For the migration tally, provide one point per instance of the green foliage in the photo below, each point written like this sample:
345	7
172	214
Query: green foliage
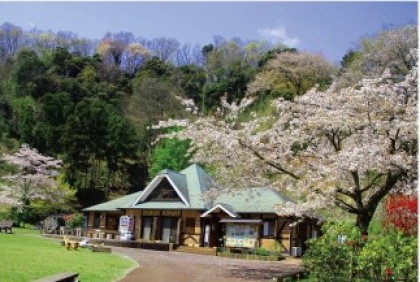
350	58
100	144
361	258
391	252
170	154
28	74
23	118
264	252
327	251
152	100
191	79
284	92
77	220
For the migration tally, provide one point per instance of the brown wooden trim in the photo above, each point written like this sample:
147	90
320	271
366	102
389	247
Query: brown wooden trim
178	229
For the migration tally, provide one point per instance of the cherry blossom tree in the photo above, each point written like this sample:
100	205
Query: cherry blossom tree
347	148
36	179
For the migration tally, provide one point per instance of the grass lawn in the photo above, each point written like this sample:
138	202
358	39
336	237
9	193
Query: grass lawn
26	256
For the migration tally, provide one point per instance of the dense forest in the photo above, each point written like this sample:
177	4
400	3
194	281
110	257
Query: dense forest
91	103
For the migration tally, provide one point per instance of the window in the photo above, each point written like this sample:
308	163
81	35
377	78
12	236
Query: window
147	228
97	220
190	225
268	228
169	229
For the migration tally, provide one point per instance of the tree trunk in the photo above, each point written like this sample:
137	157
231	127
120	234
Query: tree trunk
363	221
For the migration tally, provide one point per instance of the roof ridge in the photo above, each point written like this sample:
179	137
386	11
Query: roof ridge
197	167
166	170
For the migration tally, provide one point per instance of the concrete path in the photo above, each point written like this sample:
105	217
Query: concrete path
158	266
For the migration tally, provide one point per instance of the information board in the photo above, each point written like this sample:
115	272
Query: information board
241	235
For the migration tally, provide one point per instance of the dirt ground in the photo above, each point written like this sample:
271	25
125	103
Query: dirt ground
158	266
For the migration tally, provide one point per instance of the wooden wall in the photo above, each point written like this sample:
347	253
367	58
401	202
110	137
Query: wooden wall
190	237
284	237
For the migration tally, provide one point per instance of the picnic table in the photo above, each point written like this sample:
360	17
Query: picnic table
70	244
6	225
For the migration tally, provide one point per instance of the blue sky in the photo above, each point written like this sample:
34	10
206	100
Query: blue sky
331	28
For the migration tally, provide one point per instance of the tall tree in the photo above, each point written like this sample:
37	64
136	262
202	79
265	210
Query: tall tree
134	57
388	49
298	71
163	48
227	74
11	38
29	74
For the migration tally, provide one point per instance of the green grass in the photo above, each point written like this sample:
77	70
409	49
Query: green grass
26	256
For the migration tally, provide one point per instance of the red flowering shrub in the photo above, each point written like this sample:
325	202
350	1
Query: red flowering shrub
401	212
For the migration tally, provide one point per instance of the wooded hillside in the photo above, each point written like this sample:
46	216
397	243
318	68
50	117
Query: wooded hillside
91	103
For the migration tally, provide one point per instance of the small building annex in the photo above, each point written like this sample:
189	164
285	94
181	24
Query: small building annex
173	209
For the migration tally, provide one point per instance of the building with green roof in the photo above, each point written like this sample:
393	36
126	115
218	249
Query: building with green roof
175	208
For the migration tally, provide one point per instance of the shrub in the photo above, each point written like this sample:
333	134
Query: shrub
389	256
385	256
330	260
401	212
75	220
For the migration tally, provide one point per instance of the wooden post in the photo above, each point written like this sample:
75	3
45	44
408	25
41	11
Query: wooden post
154	223
178	229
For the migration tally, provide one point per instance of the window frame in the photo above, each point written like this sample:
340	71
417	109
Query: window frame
271	228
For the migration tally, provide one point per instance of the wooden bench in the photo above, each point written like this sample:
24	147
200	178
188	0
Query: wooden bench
61	277
70	244
101	249
6	225
286	277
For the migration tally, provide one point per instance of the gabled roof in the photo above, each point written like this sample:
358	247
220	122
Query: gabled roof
177	181
116	204
223	207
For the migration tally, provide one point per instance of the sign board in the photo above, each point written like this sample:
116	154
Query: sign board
241	235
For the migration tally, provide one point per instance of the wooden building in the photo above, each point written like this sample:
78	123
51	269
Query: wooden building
173	209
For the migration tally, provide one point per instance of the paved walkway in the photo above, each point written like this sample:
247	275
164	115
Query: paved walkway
158	266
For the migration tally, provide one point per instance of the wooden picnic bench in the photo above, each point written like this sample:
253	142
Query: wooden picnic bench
6	225
290	276
70	244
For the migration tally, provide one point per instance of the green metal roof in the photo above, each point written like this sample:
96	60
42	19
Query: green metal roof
192	182
251	200
198	182
180	181
116	204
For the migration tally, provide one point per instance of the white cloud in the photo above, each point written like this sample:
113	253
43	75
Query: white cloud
279	35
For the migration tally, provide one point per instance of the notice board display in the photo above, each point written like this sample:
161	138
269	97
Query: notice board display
241	235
